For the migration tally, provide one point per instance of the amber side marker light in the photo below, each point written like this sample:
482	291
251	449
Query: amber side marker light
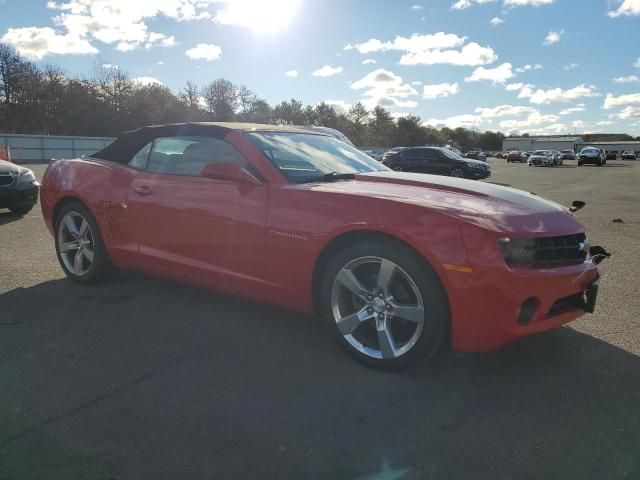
457	268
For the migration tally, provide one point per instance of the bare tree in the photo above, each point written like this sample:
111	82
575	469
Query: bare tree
221	97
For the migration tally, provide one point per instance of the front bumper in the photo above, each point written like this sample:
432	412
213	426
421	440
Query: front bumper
486	305
590	160
16	197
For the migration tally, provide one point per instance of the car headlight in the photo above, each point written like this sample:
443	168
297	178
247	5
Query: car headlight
27	178
518	251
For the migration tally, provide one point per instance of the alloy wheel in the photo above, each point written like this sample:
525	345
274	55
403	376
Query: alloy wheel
377	307
457	172
76	243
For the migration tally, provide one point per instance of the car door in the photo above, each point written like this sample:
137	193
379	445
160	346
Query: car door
194	226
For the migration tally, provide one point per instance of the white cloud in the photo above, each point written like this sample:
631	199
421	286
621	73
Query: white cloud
499	74
629	79
439	90
630	112
466	120
524	3
204	51
495	21
78	23
513	87
552	37
578	124
626	7
416	7
534	119
416	82
504	111
571	66
527	67
327	71
369	61
613	101
35	43
147	81
386	89
578	108
604	123
462	4
637	63
340	106
110	66
431	49
554	95
291	73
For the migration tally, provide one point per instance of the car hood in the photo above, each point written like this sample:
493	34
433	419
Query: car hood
488	205
8	167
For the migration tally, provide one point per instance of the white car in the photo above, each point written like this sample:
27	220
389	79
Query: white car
543	158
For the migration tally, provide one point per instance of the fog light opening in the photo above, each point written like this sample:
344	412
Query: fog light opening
527	311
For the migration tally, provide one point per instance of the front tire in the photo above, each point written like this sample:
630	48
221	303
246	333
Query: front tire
385	305
79	245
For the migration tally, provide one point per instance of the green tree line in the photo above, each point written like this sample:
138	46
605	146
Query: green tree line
43	99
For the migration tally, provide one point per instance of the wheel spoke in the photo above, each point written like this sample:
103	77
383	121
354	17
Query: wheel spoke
387	345
88	253
349	323
71	226
78	263
349	280
385	274
65	247
84	226
413	313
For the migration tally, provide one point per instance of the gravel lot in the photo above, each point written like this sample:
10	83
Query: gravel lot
144	378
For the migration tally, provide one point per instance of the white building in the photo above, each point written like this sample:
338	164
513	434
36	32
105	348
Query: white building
551	142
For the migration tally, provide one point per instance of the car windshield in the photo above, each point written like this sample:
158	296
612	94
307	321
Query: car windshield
541	152
303	157
590	150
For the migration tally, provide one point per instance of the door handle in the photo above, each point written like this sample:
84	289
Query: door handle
143	190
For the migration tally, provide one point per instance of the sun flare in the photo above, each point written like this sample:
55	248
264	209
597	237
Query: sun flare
260	16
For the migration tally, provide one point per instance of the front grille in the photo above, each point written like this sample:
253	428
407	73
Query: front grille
565	250
5	179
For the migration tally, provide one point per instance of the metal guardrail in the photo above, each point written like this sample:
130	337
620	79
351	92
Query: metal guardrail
42	148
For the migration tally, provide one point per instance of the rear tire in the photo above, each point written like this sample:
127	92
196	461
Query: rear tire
79	245
389	278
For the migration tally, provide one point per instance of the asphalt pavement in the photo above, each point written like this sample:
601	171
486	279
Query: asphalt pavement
143	378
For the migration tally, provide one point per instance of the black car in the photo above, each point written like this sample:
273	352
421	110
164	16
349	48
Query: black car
476	155
437	161
591	155
567	155
390	153
18	188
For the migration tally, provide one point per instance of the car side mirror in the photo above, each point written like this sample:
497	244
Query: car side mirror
229	172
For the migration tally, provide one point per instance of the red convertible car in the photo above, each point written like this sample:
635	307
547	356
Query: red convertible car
398	264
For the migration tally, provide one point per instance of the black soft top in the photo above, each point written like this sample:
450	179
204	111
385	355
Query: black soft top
129	143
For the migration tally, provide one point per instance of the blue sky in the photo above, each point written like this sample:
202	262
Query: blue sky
541	66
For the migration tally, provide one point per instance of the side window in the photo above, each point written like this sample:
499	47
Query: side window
189	155
139	160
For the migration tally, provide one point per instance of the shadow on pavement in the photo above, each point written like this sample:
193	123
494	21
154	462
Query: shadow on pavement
8	217
142	378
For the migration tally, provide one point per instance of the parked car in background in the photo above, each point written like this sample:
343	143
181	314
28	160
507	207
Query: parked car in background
397	265
611	154
18	188
376	155
476	154
392	152
567	155
541	158
591	156
332	132
527	154
629	155
437	161
516	156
